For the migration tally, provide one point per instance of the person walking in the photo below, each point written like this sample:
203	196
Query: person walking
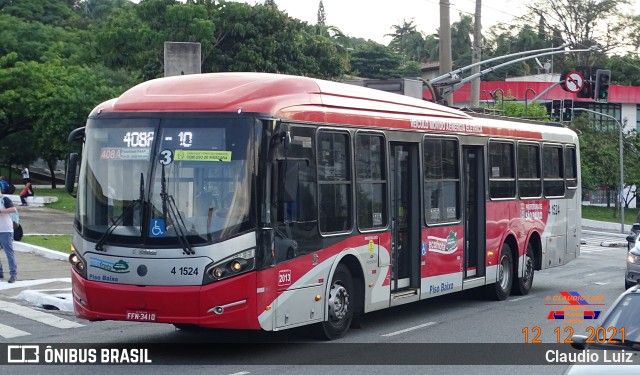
6	237
26	192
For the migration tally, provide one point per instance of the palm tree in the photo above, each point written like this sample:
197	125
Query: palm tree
405	39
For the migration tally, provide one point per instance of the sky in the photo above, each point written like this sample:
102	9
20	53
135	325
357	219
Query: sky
372	19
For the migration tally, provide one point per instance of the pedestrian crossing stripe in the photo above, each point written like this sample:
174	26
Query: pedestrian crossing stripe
38	316
9	332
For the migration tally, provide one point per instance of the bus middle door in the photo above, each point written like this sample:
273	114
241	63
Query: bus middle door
405	227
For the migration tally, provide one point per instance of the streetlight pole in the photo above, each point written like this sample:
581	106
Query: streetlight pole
620	145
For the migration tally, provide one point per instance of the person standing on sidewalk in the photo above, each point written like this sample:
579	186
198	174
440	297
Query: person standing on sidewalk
25	174
6	236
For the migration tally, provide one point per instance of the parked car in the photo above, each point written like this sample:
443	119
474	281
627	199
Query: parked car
616	337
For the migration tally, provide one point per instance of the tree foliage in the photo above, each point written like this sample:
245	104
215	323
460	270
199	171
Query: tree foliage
373	60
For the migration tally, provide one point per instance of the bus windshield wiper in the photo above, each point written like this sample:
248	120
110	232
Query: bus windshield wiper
170	210
120	219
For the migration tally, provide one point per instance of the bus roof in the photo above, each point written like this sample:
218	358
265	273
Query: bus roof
314	100
276	94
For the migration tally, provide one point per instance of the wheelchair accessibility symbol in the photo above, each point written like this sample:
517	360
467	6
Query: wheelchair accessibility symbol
158	228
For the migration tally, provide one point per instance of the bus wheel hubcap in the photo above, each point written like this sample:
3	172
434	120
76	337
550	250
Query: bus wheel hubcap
505	269
338	302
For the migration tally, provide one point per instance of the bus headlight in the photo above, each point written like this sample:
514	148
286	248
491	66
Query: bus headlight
234	265
78	264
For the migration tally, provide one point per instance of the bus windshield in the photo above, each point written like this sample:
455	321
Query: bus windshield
163	181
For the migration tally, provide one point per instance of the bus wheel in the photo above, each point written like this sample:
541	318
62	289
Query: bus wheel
523	284
502	287
340	303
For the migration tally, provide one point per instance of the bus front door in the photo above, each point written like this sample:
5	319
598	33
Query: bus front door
405	220
474	212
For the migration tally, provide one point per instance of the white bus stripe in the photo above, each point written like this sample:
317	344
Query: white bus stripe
9	332
38	316
409	329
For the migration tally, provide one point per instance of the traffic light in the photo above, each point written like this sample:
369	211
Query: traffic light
603	81
556	109
567	110
587	88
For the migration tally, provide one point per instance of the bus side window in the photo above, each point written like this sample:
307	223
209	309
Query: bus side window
295	198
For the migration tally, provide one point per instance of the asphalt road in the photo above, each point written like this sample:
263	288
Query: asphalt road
459	319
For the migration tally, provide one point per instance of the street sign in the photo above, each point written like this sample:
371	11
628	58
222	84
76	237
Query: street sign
572	81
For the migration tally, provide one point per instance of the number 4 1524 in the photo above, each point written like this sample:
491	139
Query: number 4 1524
185	271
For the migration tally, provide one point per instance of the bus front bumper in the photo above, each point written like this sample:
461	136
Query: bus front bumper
227	304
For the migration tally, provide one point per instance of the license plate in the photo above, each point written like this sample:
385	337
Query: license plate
141	315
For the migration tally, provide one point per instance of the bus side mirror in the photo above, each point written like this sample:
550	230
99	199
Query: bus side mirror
70	177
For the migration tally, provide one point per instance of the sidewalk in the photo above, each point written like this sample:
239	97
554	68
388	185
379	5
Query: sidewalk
40	268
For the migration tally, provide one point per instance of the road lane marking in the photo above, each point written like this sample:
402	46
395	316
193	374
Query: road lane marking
38	316
520	298
408	329
9	332
26	283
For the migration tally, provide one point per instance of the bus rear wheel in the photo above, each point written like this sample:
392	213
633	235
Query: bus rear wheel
522	285
341	305
500	290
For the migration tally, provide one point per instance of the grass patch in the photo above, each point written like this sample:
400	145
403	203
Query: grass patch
53	242
65	201
610	214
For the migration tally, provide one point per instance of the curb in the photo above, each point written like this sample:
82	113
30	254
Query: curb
613	244
37	250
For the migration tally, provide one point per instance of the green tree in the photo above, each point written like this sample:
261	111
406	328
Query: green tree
263	39
133	37
45	101
506	39
625	70
598	152
48	12
373	60
461	45
322	17
401	38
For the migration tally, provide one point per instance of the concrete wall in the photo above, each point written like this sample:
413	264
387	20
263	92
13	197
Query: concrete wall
181	58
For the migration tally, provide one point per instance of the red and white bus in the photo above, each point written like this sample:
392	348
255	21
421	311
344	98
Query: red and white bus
265	201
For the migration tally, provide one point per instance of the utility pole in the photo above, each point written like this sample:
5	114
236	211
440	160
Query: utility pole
445	43
477	55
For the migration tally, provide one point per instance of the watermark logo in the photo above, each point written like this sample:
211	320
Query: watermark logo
23	354
574	307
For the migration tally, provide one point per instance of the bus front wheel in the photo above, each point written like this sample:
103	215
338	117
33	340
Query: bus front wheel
502	287
341	305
